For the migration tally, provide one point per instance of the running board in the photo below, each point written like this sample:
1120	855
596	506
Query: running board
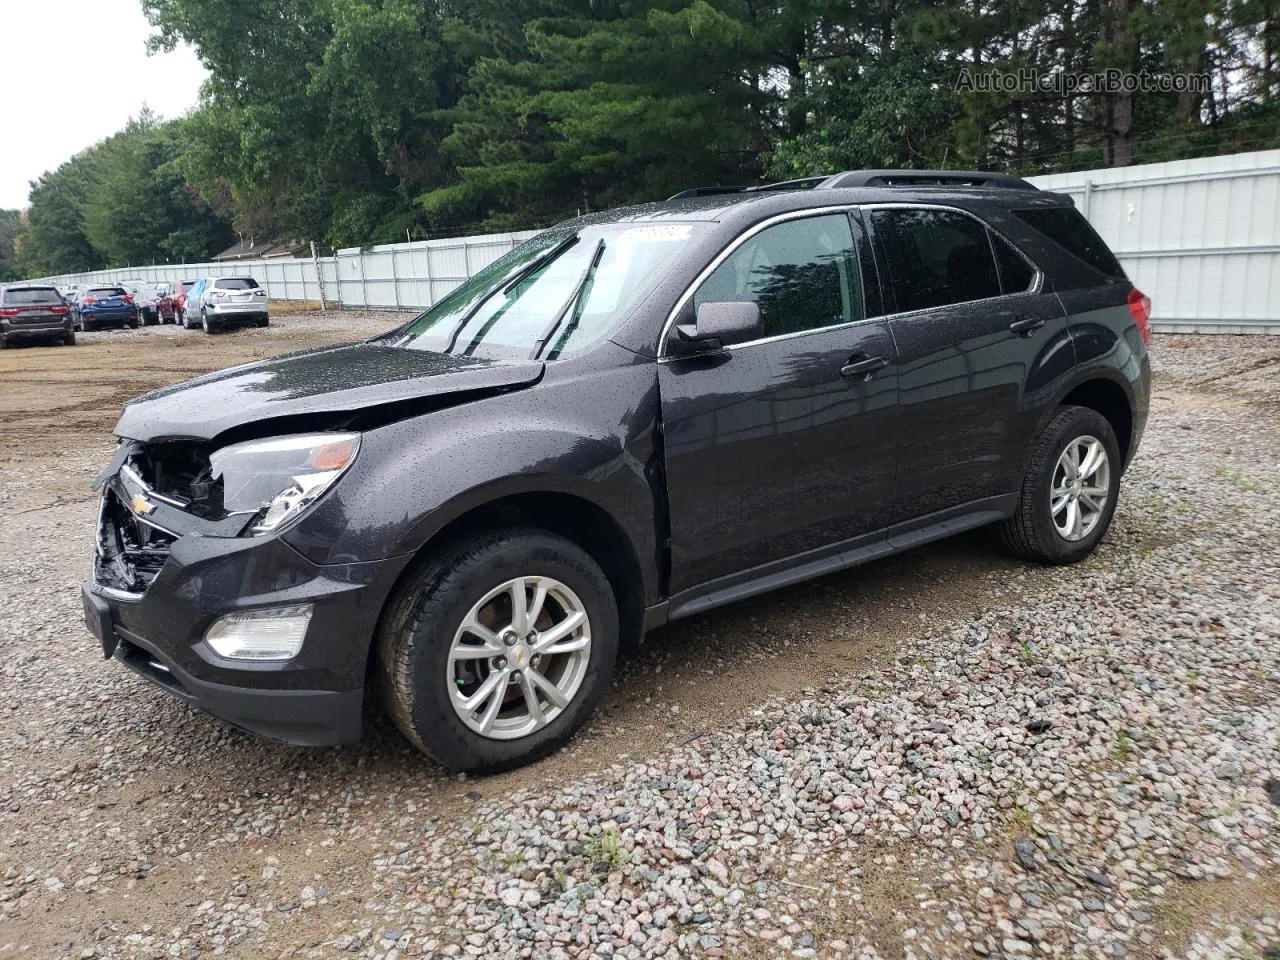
830	559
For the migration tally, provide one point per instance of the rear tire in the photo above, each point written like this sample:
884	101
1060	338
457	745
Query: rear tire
423	679
206	323
69	339
1061	519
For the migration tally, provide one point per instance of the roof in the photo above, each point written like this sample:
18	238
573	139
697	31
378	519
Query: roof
250	248
743	205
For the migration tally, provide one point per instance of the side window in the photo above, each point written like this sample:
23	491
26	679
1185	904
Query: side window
1068	228
1015	273
935	257
802	273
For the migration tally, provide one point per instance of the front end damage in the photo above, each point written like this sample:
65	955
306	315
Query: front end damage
170	563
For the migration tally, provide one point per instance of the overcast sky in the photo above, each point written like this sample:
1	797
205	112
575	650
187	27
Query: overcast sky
74	72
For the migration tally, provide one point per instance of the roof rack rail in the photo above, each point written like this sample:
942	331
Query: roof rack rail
874	178
924	178
804	183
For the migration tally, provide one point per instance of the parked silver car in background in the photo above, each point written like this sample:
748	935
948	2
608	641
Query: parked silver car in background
228	302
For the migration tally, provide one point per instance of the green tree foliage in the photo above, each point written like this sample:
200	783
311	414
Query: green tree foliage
123	201
361	121
11	226
55	241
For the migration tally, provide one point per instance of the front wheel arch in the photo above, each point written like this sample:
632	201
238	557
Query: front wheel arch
575	518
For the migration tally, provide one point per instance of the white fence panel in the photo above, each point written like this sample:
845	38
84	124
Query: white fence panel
1200	237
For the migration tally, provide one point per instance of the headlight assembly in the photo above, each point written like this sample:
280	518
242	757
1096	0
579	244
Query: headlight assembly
280	477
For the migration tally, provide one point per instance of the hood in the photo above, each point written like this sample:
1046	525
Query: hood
331	380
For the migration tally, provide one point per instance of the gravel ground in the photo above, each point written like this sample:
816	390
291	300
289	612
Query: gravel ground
947	754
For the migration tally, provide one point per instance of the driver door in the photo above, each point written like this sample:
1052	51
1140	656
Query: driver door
785	445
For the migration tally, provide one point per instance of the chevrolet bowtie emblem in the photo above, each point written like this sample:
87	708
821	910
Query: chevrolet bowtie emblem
141	505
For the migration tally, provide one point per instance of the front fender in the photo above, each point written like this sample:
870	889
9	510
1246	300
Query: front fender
589	436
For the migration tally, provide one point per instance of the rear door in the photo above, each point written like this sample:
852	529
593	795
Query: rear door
784	445
975	334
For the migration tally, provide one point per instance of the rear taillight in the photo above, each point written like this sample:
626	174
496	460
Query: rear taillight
60	310
127	299
1140	307
8	312
88	299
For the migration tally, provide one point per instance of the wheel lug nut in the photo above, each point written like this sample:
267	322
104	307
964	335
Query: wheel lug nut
499	662
515	677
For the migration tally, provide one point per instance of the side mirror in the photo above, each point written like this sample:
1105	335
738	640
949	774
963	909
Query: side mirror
716	326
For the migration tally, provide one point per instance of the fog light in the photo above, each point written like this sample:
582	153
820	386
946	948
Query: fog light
274	633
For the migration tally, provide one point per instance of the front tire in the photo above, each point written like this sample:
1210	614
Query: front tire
1070	489
484	681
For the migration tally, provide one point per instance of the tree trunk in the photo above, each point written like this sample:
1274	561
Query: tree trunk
1117	105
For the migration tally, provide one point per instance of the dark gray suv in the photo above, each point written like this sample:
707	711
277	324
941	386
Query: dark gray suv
636	416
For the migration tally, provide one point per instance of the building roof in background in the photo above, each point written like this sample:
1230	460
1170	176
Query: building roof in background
250	248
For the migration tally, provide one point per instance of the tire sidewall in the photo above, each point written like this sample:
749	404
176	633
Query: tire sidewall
1079	422
441	606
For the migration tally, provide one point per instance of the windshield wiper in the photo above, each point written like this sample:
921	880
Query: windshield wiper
571	303
522	274
538	262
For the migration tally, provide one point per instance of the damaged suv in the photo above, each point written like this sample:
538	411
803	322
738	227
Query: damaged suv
634	417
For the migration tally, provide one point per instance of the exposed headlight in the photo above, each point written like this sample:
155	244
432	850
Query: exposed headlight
280	477
273	633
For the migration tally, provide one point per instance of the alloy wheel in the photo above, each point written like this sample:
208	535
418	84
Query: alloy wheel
1080	488
519	657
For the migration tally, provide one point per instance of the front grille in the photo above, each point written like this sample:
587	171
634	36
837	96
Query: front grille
130	551
181	471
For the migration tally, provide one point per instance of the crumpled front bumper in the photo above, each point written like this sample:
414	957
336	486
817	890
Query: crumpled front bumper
157	628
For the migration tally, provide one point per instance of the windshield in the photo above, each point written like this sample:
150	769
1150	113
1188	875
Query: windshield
589	281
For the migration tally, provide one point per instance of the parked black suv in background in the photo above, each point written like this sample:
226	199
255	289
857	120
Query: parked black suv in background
34	312
636	416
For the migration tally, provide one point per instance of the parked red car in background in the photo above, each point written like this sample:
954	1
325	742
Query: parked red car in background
180	300
167	304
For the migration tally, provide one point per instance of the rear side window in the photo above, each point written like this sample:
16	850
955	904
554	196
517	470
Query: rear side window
1016	275
802	273
32	296
236	283
935	257
1068	228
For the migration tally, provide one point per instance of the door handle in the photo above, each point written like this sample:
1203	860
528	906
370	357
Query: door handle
1026	325
860	365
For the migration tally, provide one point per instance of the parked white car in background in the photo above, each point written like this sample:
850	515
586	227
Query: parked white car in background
217	303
